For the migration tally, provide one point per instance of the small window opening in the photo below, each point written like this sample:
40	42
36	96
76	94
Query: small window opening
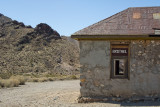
119	67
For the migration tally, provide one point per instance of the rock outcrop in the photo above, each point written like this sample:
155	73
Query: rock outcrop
24	49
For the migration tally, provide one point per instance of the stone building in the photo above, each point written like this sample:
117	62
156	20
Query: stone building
120	56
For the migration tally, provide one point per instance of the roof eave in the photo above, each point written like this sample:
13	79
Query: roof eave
116	37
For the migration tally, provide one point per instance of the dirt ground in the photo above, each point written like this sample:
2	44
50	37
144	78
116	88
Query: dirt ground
53	94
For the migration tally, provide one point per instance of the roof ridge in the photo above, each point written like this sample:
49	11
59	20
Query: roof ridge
116	14
145	7
110	17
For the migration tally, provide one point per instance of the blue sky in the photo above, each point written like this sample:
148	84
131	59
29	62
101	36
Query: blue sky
67	16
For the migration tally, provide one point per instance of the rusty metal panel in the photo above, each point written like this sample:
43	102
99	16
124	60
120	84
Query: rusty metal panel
136	15
156	15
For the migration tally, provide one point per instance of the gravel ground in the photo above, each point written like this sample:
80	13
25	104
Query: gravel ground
53	94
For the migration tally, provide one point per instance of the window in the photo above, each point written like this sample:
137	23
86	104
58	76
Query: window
119	61
119	66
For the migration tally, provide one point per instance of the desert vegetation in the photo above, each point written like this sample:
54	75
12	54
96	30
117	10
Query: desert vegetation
49	77
13	81
8	80
37	54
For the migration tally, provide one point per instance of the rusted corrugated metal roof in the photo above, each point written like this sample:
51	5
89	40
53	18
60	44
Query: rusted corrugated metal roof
132	21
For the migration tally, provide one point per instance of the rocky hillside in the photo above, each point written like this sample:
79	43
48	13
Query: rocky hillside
24	49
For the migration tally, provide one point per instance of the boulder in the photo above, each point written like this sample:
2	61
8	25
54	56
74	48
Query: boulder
45	29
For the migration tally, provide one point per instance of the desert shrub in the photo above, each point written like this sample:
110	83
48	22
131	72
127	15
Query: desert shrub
43	79
13	81
9	83
73	77
50	79
34	80
21	79
50	75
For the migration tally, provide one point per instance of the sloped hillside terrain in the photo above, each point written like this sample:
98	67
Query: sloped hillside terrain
24	49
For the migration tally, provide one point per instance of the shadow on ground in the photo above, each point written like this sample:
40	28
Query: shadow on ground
133	104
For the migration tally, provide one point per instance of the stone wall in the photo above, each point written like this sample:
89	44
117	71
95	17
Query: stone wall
144	70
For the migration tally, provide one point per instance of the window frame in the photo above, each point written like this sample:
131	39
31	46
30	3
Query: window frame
112	58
